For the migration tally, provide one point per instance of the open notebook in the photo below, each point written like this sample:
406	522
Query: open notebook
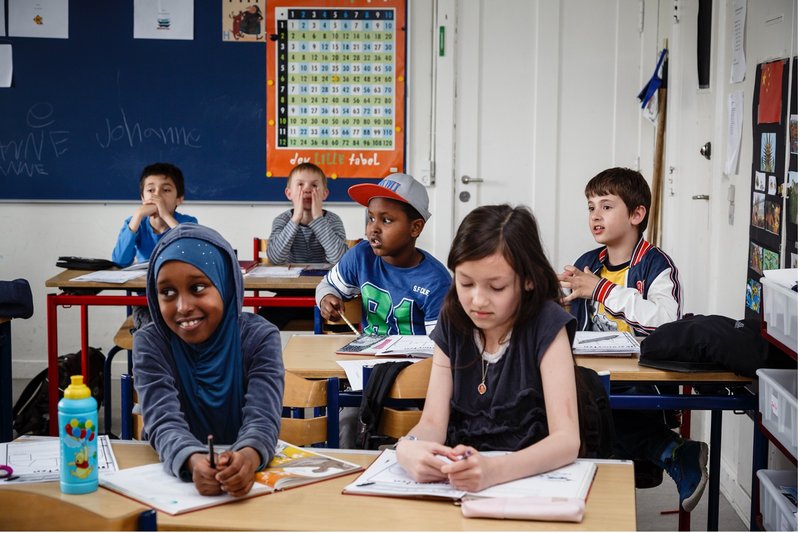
291	467
389	346
613	343
385	477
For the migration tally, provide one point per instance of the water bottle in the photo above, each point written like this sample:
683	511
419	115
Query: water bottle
77	431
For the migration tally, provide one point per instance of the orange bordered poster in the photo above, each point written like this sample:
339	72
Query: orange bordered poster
336	86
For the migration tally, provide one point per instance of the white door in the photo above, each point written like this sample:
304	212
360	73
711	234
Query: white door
533	98
690	125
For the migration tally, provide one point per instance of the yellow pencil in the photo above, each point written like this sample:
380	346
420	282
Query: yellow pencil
349	324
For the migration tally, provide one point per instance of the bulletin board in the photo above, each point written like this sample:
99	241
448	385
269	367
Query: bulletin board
768	178
336	87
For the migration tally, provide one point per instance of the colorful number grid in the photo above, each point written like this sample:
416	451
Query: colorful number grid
336	72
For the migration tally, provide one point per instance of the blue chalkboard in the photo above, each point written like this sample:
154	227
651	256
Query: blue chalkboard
86	114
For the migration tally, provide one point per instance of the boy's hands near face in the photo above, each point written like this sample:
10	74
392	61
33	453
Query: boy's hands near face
330	307
296	193
316	204
581	283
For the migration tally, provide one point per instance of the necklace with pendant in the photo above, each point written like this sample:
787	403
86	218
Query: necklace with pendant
484	371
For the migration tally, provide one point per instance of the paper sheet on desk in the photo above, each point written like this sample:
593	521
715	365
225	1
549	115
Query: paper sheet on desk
36	459
263	271
354	369
111	276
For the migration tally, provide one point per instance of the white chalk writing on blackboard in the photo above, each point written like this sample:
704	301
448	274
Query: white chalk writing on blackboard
133	133
24	155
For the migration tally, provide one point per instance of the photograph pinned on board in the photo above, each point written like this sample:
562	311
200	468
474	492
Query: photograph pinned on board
772	188
755	258
768	147
757	211
243	21
760	181
753	295
791	197
793	133
770	260
772	217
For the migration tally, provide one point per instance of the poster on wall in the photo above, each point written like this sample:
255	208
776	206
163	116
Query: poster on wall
769	179
336	90
243	21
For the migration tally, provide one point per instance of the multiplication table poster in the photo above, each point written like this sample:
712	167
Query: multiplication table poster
336	86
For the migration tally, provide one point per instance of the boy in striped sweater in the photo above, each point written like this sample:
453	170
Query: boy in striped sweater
307	233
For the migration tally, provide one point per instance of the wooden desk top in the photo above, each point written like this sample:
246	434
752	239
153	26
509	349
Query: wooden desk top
314	356
63	280
322	506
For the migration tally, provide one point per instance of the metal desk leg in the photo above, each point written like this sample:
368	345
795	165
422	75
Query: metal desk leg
52	361
6	396
713	470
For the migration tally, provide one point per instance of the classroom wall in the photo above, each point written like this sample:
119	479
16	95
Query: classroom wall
580	120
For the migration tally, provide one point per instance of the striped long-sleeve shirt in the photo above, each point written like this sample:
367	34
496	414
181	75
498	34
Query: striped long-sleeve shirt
322	241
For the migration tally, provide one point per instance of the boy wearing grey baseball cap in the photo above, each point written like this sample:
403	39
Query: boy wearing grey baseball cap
401	286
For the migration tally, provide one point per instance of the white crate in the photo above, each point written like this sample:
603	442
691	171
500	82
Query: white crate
777	401
777	511
780	312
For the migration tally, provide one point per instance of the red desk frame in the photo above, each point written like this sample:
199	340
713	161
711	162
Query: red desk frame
83	301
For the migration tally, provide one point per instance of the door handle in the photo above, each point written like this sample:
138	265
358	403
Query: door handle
701	197
466	180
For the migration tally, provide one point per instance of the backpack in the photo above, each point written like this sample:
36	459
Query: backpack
594	415
31	412
708	343
369	413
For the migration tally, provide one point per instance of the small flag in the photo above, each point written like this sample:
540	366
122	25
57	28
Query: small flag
649	93
770	93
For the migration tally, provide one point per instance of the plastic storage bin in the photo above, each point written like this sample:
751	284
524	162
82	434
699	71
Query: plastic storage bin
777	511
777	401
780	312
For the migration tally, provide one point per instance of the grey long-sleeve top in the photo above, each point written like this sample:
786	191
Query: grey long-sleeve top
161	399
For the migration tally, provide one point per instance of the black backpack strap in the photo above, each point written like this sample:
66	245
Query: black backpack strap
29	392
369	414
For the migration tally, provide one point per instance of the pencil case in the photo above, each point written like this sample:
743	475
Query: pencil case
528	508
84	263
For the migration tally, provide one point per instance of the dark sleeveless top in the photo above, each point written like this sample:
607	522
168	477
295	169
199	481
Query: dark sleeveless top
511	414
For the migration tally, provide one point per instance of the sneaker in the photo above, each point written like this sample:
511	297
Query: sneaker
687	467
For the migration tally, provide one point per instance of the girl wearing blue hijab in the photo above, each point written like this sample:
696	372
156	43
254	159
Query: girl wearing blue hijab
205	368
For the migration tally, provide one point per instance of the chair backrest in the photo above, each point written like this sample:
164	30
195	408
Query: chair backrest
26	510
410	384
300	394
260	250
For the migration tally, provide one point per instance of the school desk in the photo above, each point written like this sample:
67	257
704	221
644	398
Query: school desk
6	396
611	505
68	297
314	356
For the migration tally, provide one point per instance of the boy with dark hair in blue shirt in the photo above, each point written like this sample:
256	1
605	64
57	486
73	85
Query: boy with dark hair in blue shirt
401	286
161	189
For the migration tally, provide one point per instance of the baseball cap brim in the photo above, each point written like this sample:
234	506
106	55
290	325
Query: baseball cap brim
364	192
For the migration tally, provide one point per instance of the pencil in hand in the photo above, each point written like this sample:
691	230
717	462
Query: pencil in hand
350	324
211	460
